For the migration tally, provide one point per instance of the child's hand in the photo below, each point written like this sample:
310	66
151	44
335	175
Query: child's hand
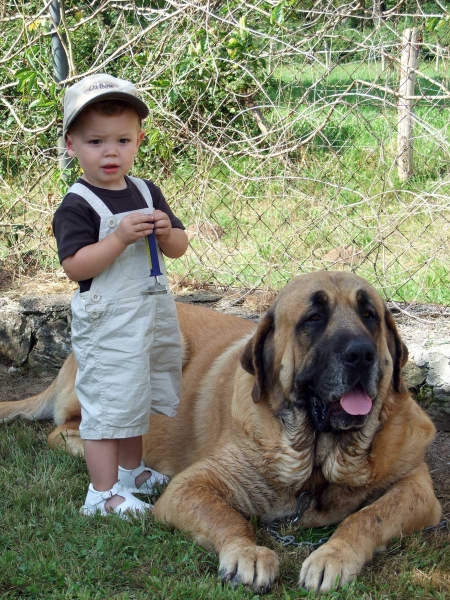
162	224
134	227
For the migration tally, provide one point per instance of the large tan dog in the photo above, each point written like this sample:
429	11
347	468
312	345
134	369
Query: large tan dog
311	400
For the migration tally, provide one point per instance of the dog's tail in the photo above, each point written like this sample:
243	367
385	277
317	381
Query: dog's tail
36	407
58	402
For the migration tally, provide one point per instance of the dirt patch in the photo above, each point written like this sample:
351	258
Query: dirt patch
438	459
16	384
17	285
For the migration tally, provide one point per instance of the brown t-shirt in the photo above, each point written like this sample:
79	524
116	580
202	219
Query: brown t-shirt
76	224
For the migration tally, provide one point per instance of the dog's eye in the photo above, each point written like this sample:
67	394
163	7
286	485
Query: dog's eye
315	317
369	314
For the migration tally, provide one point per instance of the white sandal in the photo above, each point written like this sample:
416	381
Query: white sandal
127	479
95	503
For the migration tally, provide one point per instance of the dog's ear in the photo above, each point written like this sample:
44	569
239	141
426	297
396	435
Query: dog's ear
398	351
257	357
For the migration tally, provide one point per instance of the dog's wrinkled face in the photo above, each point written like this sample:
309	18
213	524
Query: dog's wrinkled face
328	346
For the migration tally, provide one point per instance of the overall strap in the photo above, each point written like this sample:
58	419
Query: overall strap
96	203
143	188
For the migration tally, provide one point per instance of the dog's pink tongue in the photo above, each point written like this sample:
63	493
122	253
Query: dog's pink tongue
356	402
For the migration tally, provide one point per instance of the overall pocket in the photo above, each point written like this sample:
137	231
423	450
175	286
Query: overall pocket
86	324
134	260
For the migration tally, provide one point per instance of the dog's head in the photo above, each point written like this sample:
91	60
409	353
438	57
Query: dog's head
330	346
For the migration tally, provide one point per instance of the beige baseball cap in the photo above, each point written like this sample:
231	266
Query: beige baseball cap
95	88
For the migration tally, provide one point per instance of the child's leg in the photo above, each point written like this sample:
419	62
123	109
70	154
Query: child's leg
130	456
102	460
105	494
133	474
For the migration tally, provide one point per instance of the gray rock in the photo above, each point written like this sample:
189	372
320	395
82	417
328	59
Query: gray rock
414	375
36	331
435	361
15	332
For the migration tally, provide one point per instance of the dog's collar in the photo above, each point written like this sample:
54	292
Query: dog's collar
303	503
304	500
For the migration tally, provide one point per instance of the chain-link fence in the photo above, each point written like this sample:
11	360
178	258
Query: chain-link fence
288	136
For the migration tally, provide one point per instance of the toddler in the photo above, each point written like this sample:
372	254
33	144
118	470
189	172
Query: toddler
126	341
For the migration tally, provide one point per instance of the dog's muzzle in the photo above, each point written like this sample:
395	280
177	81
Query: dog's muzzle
339	395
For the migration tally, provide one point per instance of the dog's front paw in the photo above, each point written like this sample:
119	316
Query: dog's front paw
330	566
255	567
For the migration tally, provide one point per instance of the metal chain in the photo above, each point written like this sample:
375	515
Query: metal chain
303	503
289	540
442	526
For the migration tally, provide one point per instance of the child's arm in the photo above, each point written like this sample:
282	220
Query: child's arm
172	241
91	260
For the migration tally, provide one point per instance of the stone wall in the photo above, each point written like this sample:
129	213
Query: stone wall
35	332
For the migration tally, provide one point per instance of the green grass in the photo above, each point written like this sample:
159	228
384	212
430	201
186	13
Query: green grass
49	551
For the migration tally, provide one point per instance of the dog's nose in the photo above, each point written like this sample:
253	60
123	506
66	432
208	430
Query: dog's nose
359	354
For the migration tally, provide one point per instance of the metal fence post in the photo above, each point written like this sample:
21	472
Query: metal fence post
60	73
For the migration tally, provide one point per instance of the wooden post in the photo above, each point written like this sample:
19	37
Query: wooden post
411	41
327	54
377	9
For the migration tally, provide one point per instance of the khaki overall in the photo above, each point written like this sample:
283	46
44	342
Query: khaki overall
126	343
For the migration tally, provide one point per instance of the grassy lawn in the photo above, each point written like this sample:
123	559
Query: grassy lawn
49	551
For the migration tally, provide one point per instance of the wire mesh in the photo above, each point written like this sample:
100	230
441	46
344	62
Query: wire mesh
273	133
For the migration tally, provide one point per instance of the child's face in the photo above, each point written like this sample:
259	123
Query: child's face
105	146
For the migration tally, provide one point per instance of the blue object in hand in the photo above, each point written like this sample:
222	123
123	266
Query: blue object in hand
155	269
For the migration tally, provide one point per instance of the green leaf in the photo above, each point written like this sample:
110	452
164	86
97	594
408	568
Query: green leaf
42	103
277	14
